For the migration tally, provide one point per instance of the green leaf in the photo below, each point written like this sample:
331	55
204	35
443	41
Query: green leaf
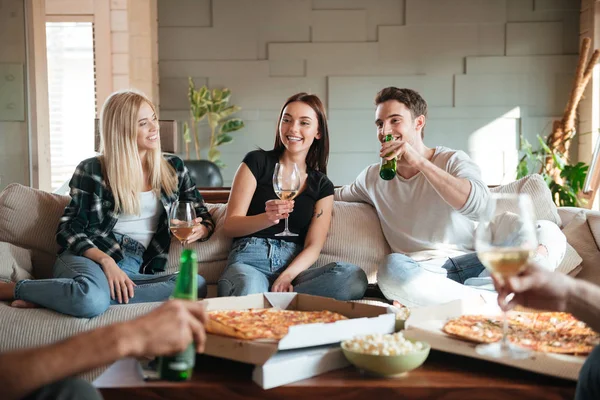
217	95
225	95
220	164
186	133
223	138
232	125
228	111
522	169
558	161
200	113
213	119
214	154
544	145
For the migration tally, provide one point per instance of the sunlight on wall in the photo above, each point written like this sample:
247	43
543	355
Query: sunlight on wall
494	147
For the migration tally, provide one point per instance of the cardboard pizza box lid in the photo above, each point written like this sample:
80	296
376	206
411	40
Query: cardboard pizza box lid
426	324
294	365
363	319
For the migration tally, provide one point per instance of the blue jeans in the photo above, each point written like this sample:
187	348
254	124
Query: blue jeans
80	288
402	278
461	268
255	263
588	384
66	389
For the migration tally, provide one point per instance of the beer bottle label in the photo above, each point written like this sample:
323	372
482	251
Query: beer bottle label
182	361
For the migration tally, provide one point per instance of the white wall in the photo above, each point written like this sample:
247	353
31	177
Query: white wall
489	69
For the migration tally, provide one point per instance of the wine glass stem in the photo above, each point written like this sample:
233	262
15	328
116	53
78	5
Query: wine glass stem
504	330
286	224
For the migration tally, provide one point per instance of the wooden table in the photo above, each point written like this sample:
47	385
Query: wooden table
443	376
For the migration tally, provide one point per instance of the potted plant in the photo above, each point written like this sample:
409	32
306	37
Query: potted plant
212	105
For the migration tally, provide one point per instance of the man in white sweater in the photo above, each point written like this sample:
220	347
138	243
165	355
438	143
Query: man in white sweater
427	212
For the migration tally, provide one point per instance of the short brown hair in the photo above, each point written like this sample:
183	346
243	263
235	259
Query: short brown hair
410	98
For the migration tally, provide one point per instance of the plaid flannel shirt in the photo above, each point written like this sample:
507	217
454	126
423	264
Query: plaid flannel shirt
89	218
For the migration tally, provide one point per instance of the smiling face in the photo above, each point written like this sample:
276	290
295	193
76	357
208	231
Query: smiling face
148	137
298	127
393	117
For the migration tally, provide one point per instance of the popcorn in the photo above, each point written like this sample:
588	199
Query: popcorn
383	345
402	313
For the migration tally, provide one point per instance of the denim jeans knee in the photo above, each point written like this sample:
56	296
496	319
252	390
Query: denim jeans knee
91	302
240	279
394	267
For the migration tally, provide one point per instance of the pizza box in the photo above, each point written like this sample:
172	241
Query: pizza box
363	319
426	324
293	365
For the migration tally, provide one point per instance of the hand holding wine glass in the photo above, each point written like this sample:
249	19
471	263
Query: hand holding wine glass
184	224
286	183
504	243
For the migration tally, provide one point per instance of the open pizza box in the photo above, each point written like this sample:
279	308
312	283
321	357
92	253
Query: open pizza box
307	350
426	324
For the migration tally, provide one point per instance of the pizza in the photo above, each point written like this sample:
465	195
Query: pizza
548	332
265	323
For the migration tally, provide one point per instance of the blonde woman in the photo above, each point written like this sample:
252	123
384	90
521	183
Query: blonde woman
114	233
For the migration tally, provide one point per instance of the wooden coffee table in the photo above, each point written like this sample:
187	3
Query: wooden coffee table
443	376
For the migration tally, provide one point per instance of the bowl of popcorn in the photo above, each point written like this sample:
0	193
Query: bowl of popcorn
385	354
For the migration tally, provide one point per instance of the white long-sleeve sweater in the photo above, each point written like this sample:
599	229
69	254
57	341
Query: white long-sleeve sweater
414	218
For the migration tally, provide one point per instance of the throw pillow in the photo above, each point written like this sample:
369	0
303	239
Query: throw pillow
541	196
571	262
29	218
15	263
355	237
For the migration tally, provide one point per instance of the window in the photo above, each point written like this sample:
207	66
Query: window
71	96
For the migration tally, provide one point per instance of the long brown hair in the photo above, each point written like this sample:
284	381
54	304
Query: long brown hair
121	161
318	154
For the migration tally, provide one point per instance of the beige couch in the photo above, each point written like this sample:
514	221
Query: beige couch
28	219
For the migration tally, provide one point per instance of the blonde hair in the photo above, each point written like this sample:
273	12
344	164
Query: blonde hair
120	158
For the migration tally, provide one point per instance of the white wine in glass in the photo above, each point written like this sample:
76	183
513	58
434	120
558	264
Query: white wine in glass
286	183
182	220
505	239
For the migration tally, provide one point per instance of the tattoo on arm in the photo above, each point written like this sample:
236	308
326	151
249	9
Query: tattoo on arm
319	214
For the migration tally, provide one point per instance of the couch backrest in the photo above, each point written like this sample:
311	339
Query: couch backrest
355	236
29	218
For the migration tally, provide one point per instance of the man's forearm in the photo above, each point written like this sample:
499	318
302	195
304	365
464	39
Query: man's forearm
455	191
23	371
584	303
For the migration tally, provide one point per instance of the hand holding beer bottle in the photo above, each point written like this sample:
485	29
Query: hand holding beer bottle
387	170
180	366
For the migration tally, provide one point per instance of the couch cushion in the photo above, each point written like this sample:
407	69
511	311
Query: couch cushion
580	236
37	327
355	236
536	187
15	263
212	254
28	219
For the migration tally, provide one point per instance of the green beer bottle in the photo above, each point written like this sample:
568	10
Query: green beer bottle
387	170
179	367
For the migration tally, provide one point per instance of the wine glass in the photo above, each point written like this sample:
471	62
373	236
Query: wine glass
182	220
286	183
505	239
